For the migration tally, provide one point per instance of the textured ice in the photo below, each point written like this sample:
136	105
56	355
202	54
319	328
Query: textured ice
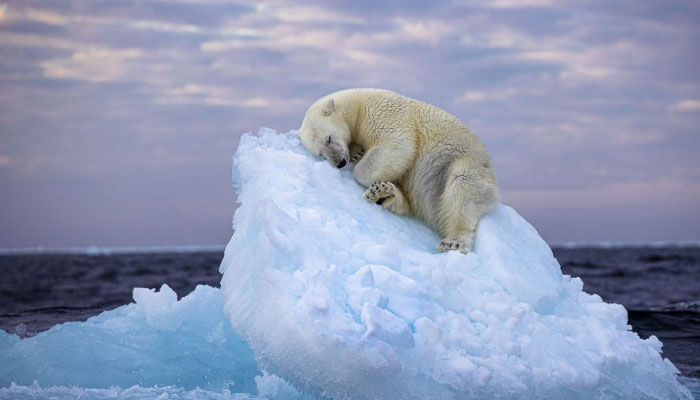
37	392
345	300
156	346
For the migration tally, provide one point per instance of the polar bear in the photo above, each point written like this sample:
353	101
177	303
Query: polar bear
412	157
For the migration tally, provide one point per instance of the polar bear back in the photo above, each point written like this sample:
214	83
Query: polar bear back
436	139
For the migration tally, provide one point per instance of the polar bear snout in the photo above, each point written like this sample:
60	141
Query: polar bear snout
335	153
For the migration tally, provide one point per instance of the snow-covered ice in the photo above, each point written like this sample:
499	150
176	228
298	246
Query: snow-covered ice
347	300
343	299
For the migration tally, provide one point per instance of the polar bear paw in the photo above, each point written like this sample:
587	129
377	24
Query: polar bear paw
462	243
356	153
380	192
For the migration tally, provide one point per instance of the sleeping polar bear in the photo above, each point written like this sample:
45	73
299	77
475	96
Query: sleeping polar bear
413	157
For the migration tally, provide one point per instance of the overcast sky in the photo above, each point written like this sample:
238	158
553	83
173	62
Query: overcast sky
118	119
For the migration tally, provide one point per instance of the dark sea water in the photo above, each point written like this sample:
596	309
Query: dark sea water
659	286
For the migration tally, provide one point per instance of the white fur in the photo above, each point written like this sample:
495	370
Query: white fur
413	157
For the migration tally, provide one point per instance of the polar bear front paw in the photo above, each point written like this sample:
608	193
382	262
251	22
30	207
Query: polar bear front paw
380	192
463	244
356	153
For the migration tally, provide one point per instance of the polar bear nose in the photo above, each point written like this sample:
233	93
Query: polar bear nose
342	163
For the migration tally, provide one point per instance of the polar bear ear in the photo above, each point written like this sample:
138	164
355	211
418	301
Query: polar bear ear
329	107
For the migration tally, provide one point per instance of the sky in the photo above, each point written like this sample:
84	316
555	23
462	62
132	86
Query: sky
118	119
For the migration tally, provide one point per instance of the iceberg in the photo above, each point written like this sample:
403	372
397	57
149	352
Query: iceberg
344	299
324	295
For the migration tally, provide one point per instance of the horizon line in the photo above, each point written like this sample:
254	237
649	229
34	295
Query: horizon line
109	250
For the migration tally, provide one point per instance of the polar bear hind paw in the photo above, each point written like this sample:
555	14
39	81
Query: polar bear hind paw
379	192
462	244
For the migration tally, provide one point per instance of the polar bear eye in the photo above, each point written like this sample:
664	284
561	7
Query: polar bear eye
329	140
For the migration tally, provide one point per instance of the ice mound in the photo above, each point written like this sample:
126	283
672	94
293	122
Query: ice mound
156	342
346	300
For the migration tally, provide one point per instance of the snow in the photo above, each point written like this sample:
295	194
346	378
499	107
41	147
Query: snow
346	300
326	295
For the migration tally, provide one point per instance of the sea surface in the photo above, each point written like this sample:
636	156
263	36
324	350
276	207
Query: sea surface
659	286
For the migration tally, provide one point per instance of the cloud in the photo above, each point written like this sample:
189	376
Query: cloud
579	62
664	193
686	105
341	49
48	17
495	94
212	95
510	4
31	40
425	30
60	19
300	14
93	64
572	99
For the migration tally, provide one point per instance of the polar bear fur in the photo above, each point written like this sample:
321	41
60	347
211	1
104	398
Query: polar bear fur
412	157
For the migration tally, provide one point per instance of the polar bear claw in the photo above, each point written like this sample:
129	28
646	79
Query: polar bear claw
379	192
463	244
356	153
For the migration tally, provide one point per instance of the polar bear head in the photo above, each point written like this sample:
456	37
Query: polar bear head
325	132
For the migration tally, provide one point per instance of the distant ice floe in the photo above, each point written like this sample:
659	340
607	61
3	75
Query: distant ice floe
327	296
621	245
101	251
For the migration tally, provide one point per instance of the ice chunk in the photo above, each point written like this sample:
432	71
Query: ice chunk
343	299
158	341
385	326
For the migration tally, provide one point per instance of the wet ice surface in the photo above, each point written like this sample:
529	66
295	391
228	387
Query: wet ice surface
191	332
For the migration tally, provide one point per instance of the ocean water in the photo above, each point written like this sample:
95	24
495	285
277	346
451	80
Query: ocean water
658	286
